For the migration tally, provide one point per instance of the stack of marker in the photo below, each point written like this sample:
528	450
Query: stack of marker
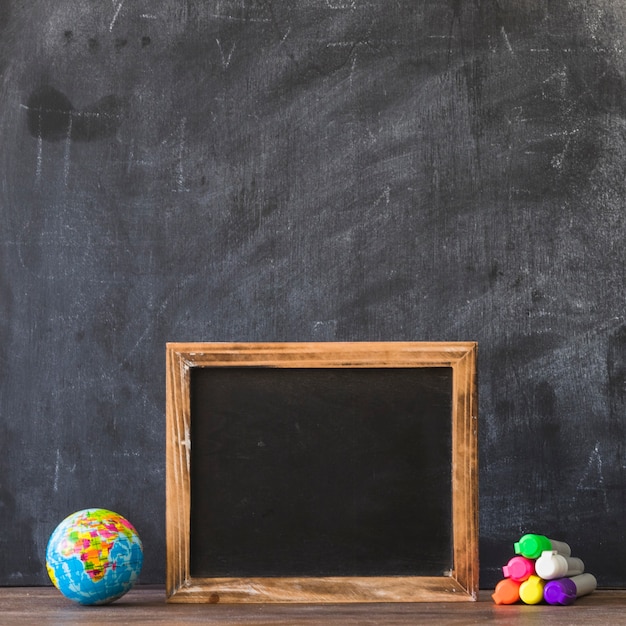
543	570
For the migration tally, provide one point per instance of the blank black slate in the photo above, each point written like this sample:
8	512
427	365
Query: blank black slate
321	472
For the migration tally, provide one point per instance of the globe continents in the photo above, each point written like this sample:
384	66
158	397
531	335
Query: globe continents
94	556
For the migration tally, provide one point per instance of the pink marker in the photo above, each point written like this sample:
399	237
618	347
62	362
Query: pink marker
519	568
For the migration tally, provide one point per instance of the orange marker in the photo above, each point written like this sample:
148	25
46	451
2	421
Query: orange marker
506	591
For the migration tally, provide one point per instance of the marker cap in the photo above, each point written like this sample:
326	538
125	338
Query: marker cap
562	591
506	591
531	590
551	565
519	568
531	546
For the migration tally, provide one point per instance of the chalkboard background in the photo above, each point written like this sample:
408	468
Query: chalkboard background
278	170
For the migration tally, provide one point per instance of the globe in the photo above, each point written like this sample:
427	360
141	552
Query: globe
94	556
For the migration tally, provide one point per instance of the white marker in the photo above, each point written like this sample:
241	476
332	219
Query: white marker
551	565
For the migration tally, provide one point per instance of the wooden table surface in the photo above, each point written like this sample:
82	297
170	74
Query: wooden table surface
43	606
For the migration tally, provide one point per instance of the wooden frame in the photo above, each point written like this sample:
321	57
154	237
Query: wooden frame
461	584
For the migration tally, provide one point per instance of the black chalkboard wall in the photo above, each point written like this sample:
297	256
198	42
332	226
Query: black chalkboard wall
280	170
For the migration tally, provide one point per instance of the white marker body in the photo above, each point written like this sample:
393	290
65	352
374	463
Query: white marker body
551	565
585	583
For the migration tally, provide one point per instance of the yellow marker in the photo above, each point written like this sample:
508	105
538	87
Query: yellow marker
531	590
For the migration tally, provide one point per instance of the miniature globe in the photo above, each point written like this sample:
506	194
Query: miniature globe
94	556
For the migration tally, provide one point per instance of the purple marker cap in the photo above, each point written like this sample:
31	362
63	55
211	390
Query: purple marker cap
561	591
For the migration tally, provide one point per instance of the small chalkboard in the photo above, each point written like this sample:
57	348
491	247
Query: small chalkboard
321	472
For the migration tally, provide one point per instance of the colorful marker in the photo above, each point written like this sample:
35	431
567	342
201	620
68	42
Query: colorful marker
565	590
519	568
531	546
551	565
531	590
506	592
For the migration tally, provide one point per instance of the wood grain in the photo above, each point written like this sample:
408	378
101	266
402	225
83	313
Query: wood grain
37	606
321	590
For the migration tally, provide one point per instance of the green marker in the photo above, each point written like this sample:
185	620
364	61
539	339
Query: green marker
531	546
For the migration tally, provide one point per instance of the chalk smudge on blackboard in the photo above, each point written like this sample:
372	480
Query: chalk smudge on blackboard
225	57
118	7
284	37
507	43
39	162
57	467
593	476
180	166
324	330
51	116
385	196
337	5
48	113
238	11
67	152
131	156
